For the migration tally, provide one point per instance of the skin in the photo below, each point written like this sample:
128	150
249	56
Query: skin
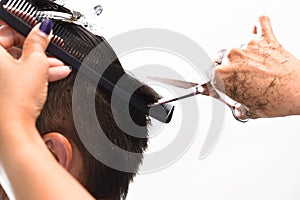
262	75
23	91
66	153
11	41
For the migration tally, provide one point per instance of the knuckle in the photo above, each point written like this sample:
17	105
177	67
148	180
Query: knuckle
253	43
235	53
35	42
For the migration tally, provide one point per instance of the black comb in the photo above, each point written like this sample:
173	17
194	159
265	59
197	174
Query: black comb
22	16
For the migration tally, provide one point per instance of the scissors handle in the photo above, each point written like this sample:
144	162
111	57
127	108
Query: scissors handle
238	110
236	115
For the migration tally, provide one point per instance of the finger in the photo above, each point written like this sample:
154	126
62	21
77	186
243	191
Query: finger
5	58
266	29
58	72
53	62
37	40
235	54
9	37
15	52
2	22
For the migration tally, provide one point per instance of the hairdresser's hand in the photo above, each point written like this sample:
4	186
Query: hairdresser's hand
12	41
262	75
23	81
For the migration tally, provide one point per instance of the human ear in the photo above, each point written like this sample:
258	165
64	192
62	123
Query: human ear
60	147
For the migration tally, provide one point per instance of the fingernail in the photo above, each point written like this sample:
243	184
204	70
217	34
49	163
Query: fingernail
70	68
46	26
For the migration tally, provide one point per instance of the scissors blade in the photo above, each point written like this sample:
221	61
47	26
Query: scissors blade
174	82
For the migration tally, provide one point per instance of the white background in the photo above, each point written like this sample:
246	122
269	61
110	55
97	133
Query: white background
257	160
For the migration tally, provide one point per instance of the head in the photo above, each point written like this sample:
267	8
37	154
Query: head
56	124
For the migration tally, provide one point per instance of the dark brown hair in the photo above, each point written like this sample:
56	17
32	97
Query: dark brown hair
102	181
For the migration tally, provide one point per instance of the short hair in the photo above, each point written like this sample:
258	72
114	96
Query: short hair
57	115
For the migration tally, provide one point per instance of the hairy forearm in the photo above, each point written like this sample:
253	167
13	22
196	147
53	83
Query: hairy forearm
30	169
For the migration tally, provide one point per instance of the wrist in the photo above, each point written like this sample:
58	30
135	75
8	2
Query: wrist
16	134
10	114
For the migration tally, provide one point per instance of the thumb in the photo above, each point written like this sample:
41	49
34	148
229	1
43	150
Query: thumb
265	29
37	40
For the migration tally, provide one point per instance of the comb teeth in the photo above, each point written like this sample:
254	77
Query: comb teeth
64	37
10	4
30	15
23	10
20	6
58	40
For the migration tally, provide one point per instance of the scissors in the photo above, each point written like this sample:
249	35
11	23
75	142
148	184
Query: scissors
238	110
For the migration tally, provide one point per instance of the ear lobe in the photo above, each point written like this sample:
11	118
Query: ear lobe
60	146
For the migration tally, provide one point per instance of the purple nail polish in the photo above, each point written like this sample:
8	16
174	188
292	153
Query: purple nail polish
46	26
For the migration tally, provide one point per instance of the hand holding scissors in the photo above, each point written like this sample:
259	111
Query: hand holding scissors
238	110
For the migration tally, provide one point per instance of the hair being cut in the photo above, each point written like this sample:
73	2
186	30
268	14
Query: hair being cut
102	181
